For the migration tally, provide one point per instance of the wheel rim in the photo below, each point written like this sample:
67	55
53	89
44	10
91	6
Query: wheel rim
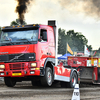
49	78
74	81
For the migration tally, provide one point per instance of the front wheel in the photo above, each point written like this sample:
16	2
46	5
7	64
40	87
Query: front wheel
10	82
47	79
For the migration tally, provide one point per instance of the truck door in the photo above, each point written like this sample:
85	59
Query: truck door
43	43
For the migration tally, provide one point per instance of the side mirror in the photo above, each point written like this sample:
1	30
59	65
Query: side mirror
39	40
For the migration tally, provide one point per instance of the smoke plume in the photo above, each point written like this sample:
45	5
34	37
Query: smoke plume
21	9
88	7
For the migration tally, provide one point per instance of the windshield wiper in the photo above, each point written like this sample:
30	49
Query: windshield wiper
8	42
25	40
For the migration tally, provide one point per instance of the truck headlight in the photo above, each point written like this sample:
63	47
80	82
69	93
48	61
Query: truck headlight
2	66
33	64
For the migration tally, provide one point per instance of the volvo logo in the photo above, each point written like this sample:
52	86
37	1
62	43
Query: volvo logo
16	57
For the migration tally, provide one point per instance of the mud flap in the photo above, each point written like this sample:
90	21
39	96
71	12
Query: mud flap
86	74
98	75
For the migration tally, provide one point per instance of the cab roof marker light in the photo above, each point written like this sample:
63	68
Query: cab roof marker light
22	25
19	26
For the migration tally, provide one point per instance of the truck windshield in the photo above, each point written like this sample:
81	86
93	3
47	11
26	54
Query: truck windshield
24	36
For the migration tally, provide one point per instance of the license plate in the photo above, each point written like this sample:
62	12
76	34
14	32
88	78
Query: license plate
16	74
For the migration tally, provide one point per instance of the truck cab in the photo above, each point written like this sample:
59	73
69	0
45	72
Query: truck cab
25	50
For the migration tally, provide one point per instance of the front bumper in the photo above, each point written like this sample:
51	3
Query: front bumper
20	69
21	73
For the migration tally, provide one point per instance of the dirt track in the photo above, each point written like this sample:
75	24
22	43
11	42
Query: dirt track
25	91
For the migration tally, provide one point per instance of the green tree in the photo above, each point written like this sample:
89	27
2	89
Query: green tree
76	41
89	47
61	41
17	22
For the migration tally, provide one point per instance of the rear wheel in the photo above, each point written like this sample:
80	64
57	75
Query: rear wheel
10	82
73	80
47	79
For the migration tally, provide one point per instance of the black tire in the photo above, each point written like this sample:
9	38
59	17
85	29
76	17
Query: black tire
73	80
47	79
10	82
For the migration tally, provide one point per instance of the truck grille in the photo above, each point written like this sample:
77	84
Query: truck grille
16	66
17	57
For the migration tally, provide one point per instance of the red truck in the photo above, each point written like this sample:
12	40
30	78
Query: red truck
29	52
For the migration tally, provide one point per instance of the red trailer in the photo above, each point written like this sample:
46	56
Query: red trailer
88	67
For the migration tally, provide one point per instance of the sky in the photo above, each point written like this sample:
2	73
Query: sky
79	15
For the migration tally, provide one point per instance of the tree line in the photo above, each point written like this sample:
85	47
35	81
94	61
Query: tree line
75	40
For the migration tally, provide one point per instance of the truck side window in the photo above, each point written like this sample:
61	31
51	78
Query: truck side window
43	35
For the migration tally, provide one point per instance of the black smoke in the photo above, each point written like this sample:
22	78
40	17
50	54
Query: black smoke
21	9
